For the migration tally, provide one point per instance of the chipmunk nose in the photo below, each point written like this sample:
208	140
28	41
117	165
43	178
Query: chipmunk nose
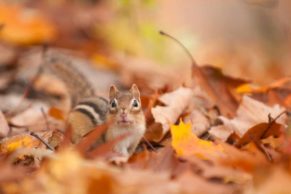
123	110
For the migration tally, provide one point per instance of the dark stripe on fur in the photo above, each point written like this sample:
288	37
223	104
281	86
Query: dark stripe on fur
87	113
96	108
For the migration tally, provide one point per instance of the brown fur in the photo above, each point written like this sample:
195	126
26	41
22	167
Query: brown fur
80	124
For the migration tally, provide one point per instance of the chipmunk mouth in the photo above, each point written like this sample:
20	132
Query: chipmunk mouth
124	121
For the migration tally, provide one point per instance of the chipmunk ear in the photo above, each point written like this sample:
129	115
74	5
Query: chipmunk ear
113	92
135	92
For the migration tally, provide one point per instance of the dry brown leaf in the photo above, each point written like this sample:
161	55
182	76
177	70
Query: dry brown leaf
261	131
278	92
277	182
200	122
250	113
11	172
175	103
196	185
223	86
69	173
4	128
220	132
164	160
7	54
31	116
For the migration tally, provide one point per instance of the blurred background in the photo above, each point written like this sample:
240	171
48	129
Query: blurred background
246	38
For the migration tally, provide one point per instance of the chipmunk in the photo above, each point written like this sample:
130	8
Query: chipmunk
123	108
125	112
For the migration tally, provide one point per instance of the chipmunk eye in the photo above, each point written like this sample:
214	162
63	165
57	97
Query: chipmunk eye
135	103
113	103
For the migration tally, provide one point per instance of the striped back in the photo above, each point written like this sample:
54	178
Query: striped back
62	67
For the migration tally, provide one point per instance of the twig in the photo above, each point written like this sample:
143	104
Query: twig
202	79
183	47
40	139
258	142
271	122
149	144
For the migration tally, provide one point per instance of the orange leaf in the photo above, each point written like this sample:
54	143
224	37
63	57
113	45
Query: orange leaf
56	113
261	131
24	26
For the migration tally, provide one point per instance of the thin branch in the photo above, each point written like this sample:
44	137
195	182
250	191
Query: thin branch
149	144
41	140
203	80
182	46
271	122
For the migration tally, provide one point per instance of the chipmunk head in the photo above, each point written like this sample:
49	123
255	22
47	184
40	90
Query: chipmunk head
125	107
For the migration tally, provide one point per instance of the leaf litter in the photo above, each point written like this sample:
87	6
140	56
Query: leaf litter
212	134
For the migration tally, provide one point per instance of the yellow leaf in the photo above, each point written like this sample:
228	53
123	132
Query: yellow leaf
10	144
249	88
24	26
187	144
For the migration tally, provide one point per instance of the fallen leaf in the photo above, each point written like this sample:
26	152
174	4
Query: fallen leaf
195	184
261	131
31	116
200	122
249	88
68	172
278	92
250	113
277	181
4	128
175	103
24	26
187	144
11	144
56	113
220	132
223	87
